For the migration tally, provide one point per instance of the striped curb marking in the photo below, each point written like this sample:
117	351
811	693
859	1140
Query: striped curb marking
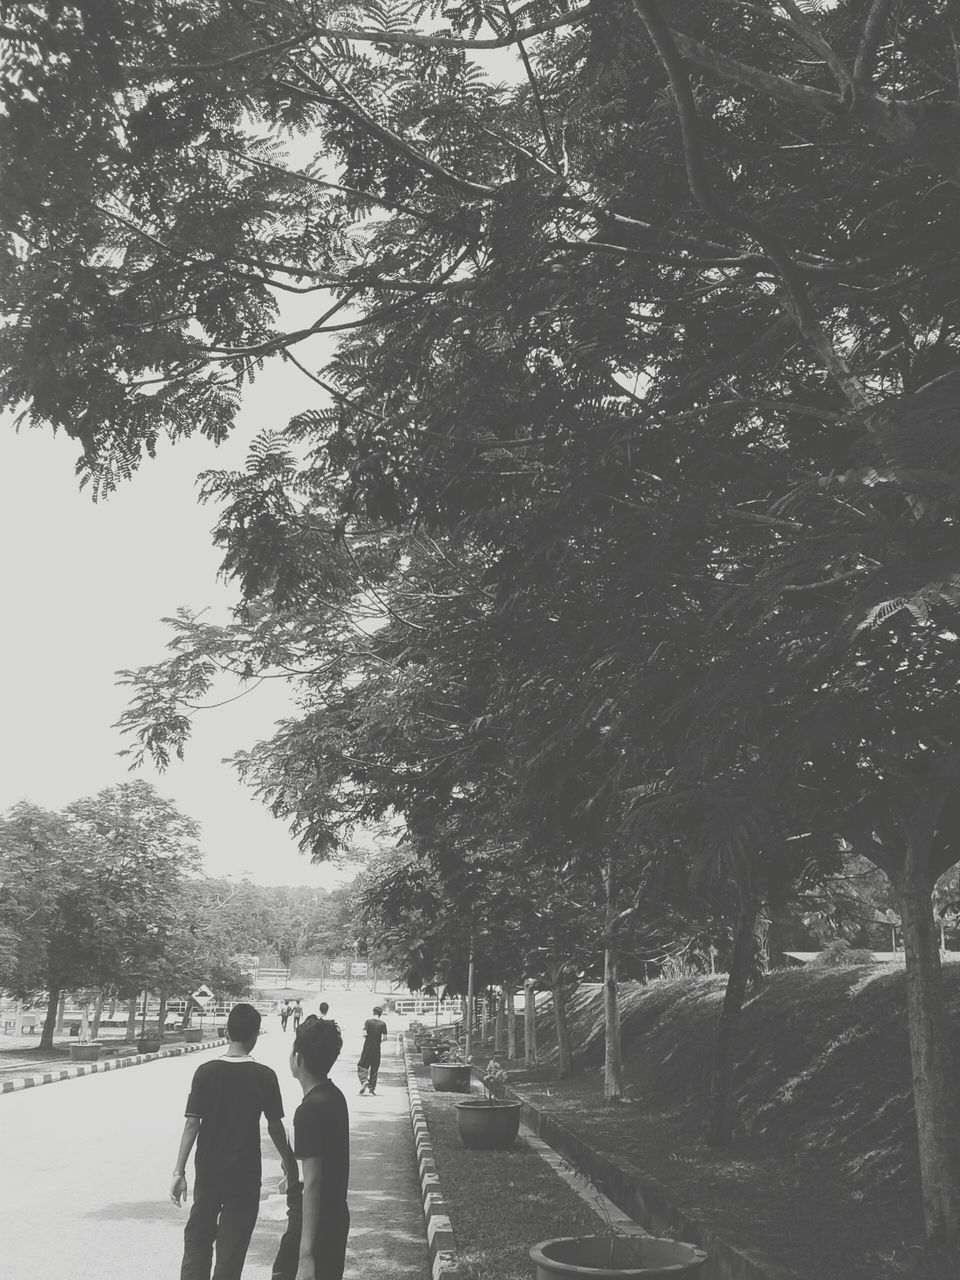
444	1260
109	1064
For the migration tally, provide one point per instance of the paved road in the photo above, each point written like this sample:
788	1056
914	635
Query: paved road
85	1164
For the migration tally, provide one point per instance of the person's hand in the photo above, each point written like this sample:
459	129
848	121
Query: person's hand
178	1188
307	1270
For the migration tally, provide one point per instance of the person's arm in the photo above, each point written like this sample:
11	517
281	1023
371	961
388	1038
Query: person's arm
312	1193
178	1188
278	1133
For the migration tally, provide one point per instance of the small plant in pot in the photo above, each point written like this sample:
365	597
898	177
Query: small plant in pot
435	1049
85	1051
490	1123
453	1075
149	1041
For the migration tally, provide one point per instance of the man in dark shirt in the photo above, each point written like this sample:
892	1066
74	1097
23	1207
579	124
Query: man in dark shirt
368	1064
227	1098
314	1245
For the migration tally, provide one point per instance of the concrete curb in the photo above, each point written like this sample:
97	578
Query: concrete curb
109	1064
645	1202
444	1261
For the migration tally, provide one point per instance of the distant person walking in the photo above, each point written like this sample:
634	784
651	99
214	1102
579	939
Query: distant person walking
227	1097
297	1015
368	1065
324	1008
284	1014
318	1220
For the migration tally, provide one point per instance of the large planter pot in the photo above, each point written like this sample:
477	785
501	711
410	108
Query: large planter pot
85	1052
193	1035
149	1044
488	1126
616	1258
450	1077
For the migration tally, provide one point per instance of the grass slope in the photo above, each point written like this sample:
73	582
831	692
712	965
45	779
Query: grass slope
824	1178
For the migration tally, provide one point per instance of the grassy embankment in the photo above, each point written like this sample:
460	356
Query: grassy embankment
824	1177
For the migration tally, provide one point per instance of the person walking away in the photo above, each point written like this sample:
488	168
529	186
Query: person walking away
297	1015
368	1065
314	1244
324	1008
227	1097
284	1014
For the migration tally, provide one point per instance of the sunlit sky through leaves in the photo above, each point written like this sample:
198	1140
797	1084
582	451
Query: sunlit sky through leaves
84	587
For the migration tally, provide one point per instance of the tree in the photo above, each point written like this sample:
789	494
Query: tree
647	314
91	894
48	905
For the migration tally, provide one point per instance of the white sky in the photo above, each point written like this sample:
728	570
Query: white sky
83	588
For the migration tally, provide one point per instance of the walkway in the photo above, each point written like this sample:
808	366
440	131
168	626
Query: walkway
84	1174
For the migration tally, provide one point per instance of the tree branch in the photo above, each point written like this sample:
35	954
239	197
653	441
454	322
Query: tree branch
355	35
359	116
873	28
538	101
797	298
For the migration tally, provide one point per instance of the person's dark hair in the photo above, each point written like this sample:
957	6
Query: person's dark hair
243	1023
324	1008
318	1042
378	1009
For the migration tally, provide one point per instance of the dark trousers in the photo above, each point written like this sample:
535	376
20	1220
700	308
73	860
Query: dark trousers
368	1068
329	1256
223	1214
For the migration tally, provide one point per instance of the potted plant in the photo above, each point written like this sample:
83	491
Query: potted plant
193	1035
85	1051
149	1040
616	1257
490	1123
452	1075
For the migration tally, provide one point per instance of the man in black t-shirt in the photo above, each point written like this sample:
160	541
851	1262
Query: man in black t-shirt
315	1243
227	1098
368	1064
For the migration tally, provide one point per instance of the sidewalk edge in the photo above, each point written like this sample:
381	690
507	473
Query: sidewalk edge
442	1247
109	1064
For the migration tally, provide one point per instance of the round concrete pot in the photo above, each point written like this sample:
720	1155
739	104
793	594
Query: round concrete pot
488	1126
85	1052
148	1044
616	1258
193	1035
450	1077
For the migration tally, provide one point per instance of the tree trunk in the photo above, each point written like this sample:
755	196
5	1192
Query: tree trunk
564	1053
612	1057
500	1026
484	1020
131	1036
162	1013
469	1009
933	1071
61	1005
50	1021
509	993
185	1020
97	1014
530	1023
722	1119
